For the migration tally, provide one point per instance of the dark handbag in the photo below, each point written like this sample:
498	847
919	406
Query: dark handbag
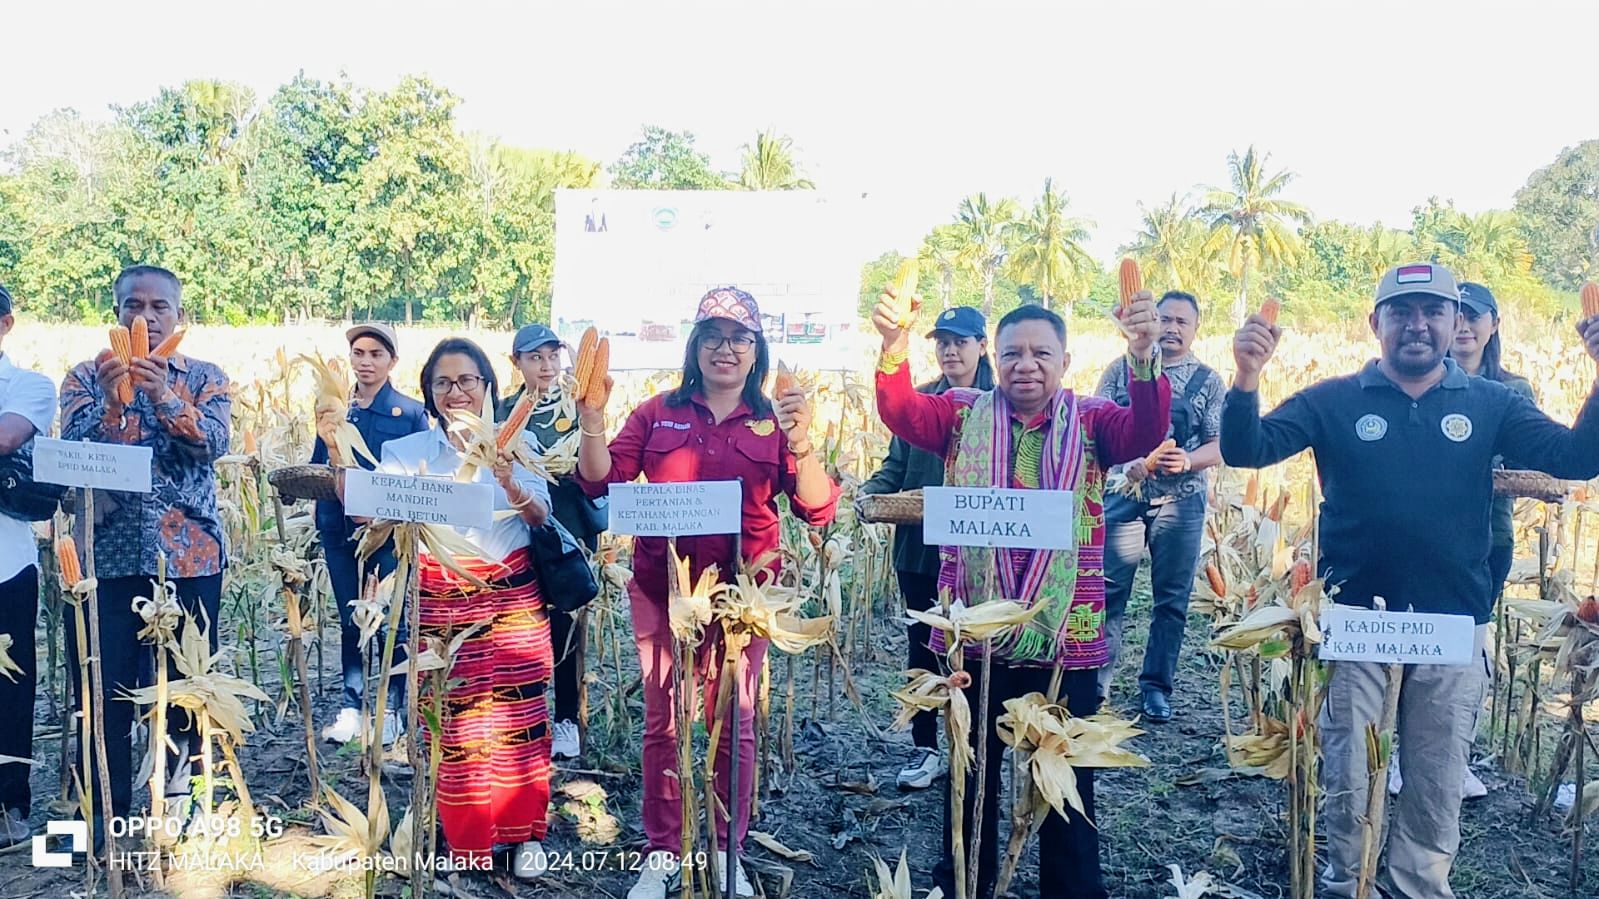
565	579
596	514
22	497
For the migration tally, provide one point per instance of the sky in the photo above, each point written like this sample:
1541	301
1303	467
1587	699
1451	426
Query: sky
1374	105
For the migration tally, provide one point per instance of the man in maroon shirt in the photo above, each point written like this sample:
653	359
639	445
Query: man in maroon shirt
1032	433
716	425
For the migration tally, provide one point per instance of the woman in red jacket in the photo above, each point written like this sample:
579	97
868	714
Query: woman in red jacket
716	425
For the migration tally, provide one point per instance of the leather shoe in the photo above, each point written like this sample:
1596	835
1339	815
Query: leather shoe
1157	710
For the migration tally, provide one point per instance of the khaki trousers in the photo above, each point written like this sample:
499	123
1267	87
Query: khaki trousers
1438	707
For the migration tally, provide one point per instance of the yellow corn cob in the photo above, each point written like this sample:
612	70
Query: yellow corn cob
905	280
1154	456
249	443
122	345
585	361
1269	310
1132	281
139	338
1251	491
783	381
169	344
599	369
513	423
67	557
1590	300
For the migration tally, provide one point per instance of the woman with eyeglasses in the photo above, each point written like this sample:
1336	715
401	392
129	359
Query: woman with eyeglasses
494	782
715	425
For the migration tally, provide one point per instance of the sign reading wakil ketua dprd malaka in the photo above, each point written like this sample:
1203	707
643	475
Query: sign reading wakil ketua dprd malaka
682	509
1353	634
101	466
998	516
417	498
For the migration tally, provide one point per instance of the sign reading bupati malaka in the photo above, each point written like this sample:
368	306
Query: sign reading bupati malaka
998	516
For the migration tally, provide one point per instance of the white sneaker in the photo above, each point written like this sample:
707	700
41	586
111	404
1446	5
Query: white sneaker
529	861
742	888
1472	786
391	728
658	869
344	728
564	740
921	775
13	827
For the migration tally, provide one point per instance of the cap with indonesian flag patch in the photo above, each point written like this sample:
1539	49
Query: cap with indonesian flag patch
1427	278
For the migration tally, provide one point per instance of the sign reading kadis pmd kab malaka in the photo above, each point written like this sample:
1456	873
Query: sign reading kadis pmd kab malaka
998	516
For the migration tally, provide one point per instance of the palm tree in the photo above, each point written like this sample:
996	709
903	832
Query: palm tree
941	251
1048	248
769	164
1249	219
1175	247
1490	245
982	228
1381	249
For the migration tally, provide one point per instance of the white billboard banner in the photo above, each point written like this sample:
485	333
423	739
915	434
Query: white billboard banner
634	263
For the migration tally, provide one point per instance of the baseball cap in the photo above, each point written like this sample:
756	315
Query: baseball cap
378	331
1428	278
1478	298
730	303
531	337
962	321
5	301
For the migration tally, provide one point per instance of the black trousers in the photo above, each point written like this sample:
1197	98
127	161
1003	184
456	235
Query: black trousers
921	594
1068	850
563	643
19	606
124	661
346	573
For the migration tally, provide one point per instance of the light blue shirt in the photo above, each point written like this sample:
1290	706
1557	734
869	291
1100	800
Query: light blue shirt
432	452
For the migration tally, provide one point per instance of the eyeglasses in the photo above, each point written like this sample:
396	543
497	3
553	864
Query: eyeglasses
740	343
467	383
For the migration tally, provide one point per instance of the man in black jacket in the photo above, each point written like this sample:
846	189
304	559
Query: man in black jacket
962	344
1405	453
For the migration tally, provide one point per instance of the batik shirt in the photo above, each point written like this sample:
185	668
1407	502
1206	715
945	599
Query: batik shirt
186	435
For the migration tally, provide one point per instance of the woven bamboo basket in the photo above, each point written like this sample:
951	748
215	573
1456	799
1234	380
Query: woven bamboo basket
1529	485
893	508
297	482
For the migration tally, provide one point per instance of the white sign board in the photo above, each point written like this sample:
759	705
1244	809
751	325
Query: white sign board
686	509
102	466
1352	634
999	516
417	498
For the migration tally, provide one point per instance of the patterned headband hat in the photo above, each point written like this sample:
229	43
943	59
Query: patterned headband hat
732	304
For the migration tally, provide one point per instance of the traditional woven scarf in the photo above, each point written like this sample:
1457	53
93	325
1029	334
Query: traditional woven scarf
984	457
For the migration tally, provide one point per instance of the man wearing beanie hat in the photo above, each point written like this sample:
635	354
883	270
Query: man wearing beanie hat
1404	451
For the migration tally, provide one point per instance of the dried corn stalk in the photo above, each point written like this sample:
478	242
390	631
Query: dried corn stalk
332	411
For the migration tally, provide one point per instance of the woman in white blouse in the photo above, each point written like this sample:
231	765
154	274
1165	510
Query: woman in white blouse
493	787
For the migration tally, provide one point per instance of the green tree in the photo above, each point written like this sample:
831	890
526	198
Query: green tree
665	160
1559	209
1251	221
1047	249
940	252
1175	249
769	164
982	228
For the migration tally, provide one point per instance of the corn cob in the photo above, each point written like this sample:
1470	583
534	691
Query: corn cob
169	344
1299	575
1269	310
139	338
1590	300
249	443
585	361
67	557
783	381
1588	610
1218	584
594	393
513	423
1132	281
1251	491
1154	456
122	345
905	280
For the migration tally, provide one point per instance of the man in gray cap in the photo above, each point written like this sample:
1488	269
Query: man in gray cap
1405	452
381	414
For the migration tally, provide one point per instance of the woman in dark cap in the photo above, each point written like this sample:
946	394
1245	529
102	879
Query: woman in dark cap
715	425
536	353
